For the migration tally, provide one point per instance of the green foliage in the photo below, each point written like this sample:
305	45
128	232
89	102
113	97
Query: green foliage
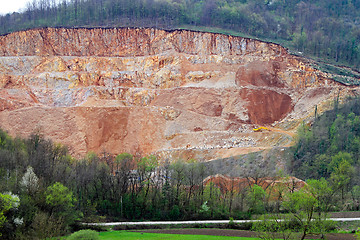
342	174
271	227
231	222
44	226
204	208
355	194
300	202
306	212
322	192
212	194
357	234
302	206
330	149
59	197
299	41
60	201
146	165
8	201
256	198
85	235
123	157
174	213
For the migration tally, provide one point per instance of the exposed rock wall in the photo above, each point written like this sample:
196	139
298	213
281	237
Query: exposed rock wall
125	42
174	93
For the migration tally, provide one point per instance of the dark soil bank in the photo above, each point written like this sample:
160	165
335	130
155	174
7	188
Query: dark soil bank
240	233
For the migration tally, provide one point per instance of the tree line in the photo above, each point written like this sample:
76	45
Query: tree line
323	29
45	191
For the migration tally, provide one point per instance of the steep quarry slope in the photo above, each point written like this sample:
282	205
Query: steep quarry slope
174	93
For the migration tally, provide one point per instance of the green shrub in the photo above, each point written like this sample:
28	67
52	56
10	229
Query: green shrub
84	234
77	226
231	223
357	234
174	213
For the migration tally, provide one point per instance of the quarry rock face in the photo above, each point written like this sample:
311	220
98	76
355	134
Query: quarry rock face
177	94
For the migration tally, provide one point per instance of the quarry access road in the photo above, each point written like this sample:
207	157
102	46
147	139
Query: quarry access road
197	222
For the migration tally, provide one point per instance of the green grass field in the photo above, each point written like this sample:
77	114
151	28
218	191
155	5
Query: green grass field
155	236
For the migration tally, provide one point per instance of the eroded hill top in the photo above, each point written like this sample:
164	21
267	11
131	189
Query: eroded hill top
174	93
126	42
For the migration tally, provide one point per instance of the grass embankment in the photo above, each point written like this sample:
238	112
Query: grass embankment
123	235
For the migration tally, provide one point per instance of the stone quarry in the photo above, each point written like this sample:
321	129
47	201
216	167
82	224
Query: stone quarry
176	94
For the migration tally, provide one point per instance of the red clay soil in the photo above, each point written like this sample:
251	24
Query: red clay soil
237	184
266	106
260	73
240	233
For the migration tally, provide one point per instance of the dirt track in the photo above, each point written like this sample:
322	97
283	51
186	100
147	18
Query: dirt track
240	233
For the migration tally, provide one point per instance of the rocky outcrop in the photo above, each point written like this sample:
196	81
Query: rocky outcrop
125	42
173	93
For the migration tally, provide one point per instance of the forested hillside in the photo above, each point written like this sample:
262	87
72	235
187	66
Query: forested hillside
322	29
331	147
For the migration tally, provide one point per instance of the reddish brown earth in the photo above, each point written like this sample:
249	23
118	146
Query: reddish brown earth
270	184
172	93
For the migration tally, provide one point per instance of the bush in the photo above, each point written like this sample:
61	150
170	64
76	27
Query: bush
78	226
357	234
174	213
231	223
270	230
45	225
84	234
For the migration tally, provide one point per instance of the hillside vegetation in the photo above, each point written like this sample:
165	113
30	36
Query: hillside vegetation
331	149
333	138
321	29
